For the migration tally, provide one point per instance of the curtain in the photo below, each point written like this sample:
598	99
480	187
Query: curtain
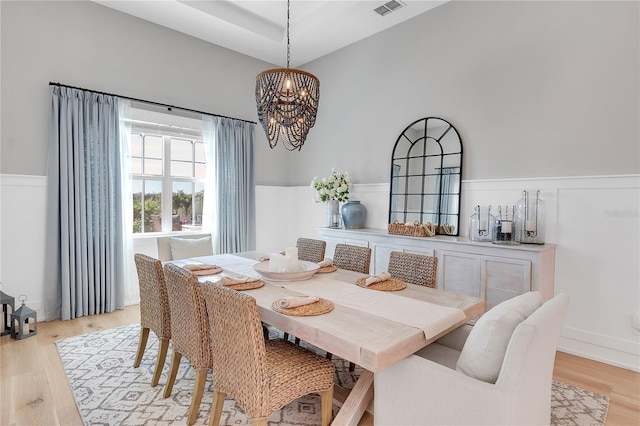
85	266
234	217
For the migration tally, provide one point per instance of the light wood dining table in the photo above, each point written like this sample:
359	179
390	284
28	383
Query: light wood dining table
373	329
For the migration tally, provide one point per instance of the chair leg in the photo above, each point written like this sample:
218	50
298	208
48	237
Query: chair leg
216	408
327	406
142	344
297	341
162	356
173	371
259	422
198	390
286	336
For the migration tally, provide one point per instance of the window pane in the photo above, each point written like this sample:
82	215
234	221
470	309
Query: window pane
136	145
181	169
201	171
200	157
136	186
153	146
198	201
181	149
152	206
153	167
136	166
181	205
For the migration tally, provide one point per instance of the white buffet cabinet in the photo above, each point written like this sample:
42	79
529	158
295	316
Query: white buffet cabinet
489	271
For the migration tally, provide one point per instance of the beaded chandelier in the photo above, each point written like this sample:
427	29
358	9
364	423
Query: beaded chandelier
287	101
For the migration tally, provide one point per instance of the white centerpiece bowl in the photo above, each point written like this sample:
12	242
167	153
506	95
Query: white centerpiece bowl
304	271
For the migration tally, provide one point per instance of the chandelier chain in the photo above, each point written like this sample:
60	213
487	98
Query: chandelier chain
288	48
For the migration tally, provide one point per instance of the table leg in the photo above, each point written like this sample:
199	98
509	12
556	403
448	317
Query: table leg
357	402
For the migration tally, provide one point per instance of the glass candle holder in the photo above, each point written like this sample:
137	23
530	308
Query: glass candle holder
481	224
530	218
504	226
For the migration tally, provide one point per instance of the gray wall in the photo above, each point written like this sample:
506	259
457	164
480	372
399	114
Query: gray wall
87	45
536	89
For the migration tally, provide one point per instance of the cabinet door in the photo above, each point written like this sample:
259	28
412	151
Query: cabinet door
460	273
504	278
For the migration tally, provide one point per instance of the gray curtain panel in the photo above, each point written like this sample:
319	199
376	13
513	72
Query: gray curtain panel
234	226
85	218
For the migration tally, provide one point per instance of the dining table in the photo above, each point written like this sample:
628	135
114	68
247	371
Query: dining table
371	328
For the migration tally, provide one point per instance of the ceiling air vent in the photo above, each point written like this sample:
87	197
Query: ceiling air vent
388	7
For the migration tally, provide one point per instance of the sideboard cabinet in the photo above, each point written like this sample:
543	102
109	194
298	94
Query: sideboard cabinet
489	271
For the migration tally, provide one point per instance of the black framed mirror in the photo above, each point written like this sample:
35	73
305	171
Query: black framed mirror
426	175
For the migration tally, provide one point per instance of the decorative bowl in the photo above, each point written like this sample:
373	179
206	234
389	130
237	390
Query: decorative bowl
304	272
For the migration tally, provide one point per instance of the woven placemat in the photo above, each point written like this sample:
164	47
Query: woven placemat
387	285
322	306
205	272
324	270
246	286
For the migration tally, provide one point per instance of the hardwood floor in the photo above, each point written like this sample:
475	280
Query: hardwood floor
35	390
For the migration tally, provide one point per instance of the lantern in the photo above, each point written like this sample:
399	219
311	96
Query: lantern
24	321
8	308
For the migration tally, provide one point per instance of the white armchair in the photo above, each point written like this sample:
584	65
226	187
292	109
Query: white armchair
426	388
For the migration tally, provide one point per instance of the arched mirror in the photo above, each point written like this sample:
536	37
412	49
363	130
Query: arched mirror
426	173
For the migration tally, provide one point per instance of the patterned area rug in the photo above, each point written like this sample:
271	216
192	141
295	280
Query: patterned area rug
109	391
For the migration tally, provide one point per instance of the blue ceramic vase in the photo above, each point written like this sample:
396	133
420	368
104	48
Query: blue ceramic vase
354	215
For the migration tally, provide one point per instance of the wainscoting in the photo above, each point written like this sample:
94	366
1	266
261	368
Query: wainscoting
594	221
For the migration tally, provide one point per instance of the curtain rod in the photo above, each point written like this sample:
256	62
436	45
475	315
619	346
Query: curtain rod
169	107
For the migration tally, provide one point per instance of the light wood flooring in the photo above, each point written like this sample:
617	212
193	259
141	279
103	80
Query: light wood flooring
35	390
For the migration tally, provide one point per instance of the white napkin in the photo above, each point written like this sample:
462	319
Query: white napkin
293	301
238	280
383	276
326	262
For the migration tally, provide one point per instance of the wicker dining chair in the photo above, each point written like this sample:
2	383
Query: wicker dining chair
352	258
413	268
154	311
189	331
261	375
311	250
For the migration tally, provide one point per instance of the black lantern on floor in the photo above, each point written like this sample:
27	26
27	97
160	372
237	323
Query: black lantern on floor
24	321
8	308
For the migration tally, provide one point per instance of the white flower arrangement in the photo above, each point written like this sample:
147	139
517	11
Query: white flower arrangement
334	187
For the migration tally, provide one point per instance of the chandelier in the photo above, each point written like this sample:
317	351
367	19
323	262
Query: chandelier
287	101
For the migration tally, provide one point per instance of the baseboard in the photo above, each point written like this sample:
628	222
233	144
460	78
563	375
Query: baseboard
597	347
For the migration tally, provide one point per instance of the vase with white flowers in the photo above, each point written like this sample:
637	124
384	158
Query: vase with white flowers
332	190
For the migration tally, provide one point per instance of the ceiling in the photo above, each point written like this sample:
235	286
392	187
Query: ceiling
258	28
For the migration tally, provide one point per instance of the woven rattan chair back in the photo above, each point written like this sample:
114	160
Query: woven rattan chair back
311	250
154	301
154	311
353	258
189	325
262	376
413	268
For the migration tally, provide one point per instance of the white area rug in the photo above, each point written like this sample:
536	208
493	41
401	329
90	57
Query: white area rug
109	391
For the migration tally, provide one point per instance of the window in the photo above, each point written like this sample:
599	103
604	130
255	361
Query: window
168	172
